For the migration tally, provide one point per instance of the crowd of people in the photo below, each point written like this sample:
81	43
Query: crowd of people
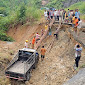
70	16
62	16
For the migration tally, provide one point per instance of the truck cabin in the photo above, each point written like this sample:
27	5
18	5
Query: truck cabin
24	55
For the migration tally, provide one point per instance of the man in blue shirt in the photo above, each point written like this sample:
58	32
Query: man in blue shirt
77	13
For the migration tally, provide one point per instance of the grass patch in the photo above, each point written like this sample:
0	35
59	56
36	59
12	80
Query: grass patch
82	66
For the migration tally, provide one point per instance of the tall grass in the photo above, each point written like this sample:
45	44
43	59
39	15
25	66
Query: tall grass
33	13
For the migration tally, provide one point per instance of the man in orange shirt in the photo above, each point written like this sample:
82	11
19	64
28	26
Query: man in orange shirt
33	42
43	50
76	24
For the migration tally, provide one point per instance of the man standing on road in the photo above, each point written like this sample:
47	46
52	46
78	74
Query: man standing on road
37	37
26	44
77	13
55	14
56	33
33	42
50	32
76	24
79	26
77	54
45	14
46	27
43	50
73	22
51	14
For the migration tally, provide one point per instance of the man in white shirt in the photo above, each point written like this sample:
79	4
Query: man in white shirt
55	14
26	44
79	26
45	15
61	15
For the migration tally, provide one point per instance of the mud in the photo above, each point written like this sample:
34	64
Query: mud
57	66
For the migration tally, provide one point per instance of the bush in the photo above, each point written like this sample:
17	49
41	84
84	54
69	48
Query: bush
4	37
3	11
17	12
21	13
34	13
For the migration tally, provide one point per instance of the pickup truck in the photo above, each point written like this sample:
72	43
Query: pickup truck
22	64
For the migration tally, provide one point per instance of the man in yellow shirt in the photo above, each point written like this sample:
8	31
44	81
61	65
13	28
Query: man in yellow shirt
46	27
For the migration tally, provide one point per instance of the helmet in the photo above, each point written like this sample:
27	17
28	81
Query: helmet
26	40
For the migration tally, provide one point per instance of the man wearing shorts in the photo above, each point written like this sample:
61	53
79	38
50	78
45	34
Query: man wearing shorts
43	50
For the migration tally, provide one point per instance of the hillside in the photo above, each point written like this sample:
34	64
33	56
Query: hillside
81	7
57	66
16	12
20	20
61	3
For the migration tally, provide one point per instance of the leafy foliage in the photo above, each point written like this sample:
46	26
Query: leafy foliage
16	11
4	37
55	3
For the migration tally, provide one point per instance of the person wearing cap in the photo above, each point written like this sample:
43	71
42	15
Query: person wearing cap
78	51
33	42
26	44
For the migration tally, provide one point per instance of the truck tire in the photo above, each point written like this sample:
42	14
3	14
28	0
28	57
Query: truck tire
35	65
28	76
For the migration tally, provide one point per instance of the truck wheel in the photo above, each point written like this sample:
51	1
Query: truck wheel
35	65
28	76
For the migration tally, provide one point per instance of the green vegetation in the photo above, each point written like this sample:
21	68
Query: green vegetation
13	12
55	3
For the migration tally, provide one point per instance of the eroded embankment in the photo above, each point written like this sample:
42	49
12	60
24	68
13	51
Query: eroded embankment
57	66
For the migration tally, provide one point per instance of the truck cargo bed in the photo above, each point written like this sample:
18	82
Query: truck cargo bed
19	67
